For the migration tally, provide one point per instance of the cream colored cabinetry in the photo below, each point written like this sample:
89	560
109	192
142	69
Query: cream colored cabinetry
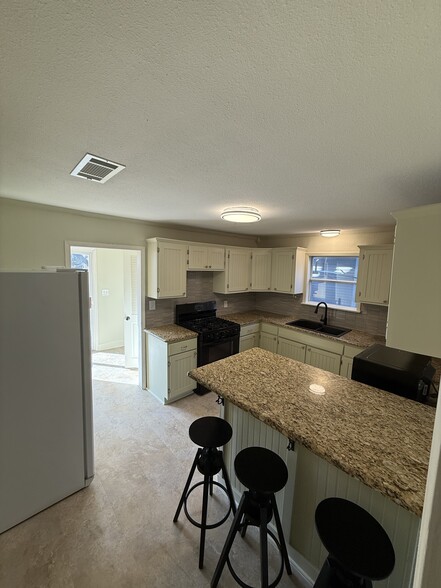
374	272
206	258
249	337
260	270
414	317
167	368
288	270
317	351
291	349
325	360
346	361
268	337
166	268
236	277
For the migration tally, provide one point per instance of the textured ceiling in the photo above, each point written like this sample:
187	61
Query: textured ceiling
317	113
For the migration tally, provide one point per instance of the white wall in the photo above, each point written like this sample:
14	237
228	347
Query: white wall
110	308
32	235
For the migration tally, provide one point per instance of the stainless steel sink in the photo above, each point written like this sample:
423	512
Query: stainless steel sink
319	327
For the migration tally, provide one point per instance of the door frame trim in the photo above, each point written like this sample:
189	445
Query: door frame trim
142	357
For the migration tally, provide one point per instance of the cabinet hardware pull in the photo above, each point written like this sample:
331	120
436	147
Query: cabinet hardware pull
220	400
291	445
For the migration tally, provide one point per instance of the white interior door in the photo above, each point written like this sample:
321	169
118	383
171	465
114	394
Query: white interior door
131	318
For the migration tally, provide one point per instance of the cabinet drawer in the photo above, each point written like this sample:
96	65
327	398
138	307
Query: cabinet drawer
248	329
267	328
182	346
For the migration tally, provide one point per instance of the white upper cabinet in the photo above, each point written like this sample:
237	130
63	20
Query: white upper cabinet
288	270
206	258
237	274
414	316
374	272
260	270
166	268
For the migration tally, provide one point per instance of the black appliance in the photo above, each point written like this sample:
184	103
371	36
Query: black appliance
217	338
401	372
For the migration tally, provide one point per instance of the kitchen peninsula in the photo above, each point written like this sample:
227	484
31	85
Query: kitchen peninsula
353	441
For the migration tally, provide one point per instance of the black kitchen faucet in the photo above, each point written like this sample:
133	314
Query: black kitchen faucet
324	318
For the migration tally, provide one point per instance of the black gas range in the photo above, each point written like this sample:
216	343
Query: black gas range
217	337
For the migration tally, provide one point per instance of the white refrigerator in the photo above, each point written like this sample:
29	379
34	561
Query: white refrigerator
46	425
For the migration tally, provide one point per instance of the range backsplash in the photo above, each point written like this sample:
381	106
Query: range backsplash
372	319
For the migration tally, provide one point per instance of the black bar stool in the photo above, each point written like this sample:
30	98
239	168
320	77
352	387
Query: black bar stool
264	473
209	433
359	548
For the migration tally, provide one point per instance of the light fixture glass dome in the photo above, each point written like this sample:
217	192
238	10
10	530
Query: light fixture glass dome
330	233
241	214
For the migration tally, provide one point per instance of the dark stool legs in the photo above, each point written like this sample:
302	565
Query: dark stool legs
360	551
257	507
211	432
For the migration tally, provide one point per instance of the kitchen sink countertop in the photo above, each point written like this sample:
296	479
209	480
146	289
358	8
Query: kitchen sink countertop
380	438
356	338
172	333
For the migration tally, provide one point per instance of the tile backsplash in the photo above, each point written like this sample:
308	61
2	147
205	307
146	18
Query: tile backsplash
371	319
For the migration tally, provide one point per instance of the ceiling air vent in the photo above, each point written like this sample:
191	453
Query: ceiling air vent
96	169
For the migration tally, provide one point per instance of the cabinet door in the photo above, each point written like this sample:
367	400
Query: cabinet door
238	270
216	258
260	270
268	341
375	267
346	367
248	341
291	349
178	367
203	257
172	270
197	257
282	271
326	360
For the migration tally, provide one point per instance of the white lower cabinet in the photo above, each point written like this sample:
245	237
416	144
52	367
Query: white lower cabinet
167	368
291	349
347	360
316	351
249	337
325	360
268	337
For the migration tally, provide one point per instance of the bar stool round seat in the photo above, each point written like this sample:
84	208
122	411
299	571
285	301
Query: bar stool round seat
209	433
360	550
263	473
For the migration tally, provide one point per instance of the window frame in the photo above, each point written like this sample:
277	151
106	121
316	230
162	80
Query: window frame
306	288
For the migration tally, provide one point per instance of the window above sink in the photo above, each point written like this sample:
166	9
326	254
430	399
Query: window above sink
332	279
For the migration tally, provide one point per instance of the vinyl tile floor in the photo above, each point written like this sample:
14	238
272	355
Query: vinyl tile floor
118	532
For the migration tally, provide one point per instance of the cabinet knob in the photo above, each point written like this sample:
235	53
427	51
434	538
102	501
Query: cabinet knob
275	289
209	266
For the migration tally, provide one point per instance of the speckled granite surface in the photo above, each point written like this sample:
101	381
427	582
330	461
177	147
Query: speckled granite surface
380	438
172	333
357	338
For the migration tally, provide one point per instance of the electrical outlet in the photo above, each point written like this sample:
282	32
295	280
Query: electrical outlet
152	304
225	303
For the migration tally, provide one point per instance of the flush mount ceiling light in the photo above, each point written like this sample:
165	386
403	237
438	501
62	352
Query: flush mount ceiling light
96	169
241	214
330	233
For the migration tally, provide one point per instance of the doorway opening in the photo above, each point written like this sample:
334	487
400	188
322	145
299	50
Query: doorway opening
115	279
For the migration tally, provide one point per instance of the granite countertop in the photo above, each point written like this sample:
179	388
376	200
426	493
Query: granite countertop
172	333
382	439
356	338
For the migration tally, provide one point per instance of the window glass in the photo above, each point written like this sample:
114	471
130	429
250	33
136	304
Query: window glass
333	279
